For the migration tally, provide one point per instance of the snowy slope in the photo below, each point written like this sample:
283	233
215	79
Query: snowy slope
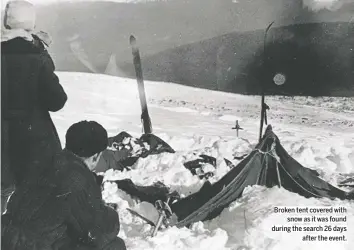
318	132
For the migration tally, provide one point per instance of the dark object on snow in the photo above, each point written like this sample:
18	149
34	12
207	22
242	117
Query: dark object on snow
128	162
349	182
119	138
203	159
240	157
196	166
156	145
124	150
151	194
268	165
29	90
229	163
145	117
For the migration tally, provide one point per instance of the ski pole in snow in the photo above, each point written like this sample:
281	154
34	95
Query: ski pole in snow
164	212
145	118
264	107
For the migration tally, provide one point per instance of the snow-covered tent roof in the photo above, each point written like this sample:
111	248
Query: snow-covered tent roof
269	165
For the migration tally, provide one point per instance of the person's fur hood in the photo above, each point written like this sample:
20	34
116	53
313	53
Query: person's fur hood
20	21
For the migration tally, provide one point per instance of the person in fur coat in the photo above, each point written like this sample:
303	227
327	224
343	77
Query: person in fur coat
29	91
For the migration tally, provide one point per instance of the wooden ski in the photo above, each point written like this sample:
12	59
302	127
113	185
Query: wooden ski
264	106
147	127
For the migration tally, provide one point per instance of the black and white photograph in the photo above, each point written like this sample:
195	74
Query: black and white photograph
177	124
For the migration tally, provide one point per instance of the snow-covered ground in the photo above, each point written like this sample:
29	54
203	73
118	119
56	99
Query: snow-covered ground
317	132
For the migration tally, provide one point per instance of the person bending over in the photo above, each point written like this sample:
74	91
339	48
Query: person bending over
63	208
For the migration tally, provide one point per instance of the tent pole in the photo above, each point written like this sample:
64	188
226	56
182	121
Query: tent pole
278	175
262	118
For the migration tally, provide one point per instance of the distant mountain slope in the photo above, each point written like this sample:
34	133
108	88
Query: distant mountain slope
317	59
88	35
104	27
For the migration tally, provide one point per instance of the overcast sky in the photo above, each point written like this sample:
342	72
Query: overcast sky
3	2
313	4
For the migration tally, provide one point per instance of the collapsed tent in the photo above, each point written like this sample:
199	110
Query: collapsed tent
267	165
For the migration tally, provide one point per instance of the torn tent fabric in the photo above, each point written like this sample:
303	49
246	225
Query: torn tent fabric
124	150
156	191
204	166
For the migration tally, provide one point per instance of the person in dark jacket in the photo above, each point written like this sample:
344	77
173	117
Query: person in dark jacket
29	91
64	208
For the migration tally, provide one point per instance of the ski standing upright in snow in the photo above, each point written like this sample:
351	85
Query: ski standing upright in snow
145	117
264	106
